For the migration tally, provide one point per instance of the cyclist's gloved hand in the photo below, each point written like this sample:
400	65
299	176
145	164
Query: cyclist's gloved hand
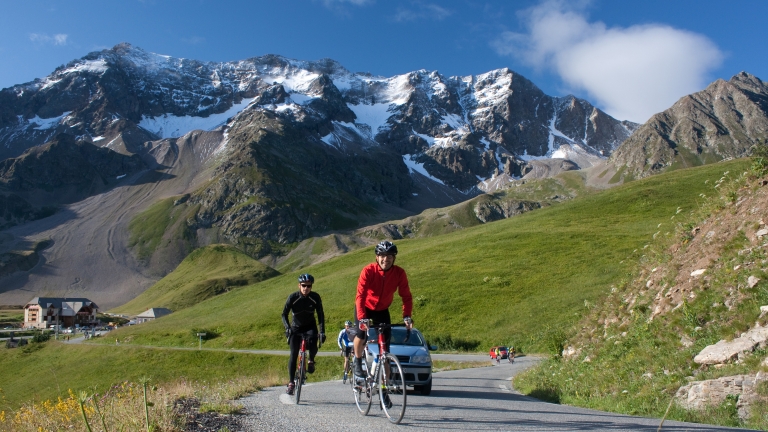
287	333
322	337
408	322
364	324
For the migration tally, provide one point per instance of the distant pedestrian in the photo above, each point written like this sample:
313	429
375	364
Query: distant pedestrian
117	341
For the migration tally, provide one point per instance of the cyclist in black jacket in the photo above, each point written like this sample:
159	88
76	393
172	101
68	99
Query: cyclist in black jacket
303	303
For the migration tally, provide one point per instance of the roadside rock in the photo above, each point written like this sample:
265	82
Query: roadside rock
701	394
724	351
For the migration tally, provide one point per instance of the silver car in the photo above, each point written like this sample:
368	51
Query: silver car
413	353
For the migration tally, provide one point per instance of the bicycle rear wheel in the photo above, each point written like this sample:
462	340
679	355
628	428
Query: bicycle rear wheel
300	375
393	394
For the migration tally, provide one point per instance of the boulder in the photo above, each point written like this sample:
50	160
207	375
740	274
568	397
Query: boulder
724	351
698	395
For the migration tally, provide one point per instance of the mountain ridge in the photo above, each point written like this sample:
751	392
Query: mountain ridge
723	121
267	152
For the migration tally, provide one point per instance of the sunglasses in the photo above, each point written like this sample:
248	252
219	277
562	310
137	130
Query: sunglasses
306	285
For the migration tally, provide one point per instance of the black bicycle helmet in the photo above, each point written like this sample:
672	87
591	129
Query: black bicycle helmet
386	248
306	278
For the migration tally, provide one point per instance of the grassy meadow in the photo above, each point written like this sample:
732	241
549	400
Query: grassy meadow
524	281
59	368
204	273
11	317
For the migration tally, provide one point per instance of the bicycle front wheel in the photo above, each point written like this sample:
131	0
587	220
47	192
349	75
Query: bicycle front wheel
393	394
300	375
361	388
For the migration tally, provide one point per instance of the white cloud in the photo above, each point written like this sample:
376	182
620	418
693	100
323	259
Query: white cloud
422	11
57	39
632	73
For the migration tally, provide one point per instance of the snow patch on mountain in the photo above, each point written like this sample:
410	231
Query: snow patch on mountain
42	124
98	66
344	133
298	81
301	99
399	89
170	126
415	167
375	115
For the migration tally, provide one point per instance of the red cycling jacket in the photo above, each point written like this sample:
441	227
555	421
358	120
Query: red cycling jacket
376	289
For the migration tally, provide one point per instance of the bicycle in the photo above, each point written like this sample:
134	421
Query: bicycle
388	384
301	366
348	370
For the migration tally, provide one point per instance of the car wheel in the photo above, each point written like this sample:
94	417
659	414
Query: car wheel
426	389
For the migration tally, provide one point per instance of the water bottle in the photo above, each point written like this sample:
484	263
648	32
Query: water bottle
375	365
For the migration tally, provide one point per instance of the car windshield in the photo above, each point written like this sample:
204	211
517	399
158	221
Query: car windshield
398	337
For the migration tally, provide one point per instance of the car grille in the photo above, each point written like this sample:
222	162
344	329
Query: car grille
404	359
409	377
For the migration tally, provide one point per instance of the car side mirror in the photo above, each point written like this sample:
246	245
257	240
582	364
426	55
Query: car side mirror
433	347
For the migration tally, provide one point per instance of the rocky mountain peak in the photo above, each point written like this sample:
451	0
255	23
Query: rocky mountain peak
268	151
720	122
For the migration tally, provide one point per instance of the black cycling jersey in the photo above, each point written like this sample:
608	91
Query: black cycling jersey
304	311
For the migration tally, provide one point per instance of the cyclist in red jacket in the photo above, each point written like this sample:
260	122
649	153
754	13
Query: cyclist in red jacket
376	288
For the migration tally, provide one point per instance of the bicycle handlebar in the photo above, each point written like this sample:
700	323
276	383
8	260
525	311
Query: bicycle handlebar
306	337
382	326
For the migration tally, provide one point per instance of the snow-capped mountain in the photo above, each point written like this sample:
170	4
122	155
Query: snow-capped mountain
260	153
459	130
118	164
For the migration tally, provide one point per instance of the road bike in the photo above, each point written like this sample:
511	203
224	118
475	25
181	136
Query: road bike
348	374
301	366
385	384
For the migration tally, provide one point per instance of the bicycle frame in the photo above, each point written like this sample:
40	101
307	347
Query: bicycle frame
301	368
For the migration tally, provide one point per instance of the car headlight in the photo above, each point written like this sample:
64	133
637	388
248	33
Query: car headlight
421	359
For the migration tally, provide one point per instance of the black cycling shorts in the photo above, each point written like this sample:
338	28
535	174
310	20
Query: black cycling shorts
377	317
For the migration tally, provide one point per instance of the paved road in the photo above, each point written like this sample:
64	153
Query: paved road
467	399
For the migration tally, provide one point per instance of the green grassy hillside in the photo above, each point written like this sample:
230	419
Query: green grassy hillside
634	349
522	280
45	371
520	196
204	273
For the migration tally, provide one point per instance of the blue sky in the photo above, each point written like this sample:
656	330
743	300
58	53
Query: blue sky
630	58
